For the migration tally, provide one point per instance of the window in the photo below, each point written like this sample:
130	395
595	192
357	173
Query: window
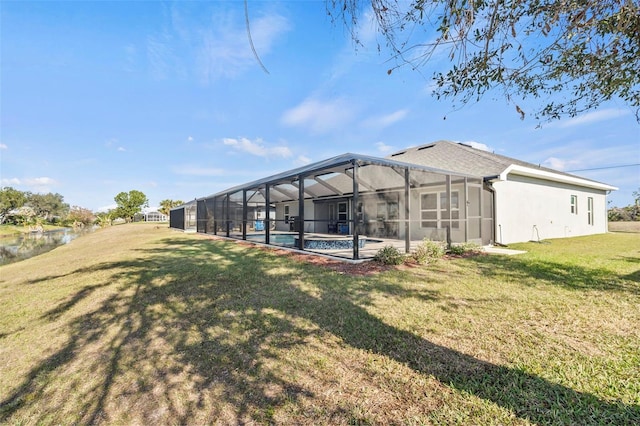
342	212
434	209
574	204
590	210
381	211
429	210
286	214
393	210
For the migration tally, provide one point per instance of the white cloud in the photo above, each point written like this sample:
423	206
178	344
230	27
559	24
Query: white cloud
190	139
383	147
211	45
40	181
477	145
394	117
560	164
318	116
3	146
594	117
38	184
192	170
121	149
257	148
302	160
387	120
10	182
106	208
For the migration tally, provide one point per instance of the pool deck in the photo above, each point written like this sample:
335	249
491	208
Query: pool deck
366	253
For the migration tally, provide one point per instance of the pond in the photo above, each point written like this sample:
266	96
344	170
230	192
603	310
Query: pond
15	248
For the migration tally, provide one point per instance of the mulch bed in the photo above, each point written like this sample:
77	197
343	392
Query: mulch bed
364	268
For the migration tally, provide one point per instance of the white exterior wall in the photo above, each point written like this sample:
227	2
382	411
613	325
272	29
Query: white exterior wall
529	208
293	211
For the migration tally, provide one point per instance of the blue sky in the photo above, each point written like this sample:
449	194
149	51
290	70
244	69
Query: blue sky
168	98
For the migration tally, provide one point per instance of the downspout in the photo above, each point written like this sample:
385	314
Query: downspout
488	184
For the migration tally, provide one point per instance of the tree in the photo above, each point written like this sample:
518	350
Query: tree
10	199
79	215
104	219
48	206
130	203
24	215
166	205
629	213
589	49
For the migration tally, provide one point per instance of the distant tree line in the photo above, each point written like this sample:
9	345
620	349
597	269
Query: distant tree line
26	208
627	214
31	209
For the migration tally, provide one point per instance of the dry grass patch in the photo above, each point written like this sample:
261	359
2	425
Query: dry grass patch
138	325
624	226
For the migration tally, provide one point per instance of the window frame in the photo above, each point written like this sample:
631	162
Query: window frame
590	218
454	211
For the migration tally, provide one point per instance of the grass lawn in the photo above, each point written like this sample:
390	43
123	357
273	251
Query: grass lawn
143	325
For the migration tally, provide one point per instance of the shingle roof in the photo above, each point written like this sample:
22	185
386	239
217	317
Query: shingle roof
458	157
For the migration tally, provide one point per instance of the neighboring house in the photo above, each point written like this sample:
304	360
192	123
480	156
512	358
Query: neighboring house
441	191
154	216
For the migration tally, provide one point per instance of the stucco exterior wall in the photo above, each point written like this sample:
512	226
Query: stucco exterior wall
293	211
530	209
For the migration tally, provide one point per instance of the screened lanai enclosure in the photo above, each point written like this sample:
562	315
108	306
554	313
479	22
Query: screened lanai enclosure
349	206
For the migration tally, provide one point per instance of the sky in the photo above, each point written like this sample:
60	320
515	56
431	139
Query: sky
169	99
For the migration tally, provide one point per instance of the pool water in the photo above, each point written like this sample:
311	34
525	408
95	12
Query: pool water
323	243
284	239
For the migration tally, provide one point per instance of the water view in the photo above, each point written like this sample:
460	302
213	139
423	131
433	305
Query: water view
15	248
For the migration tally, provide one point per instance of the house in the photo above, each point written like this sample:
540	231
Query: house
155	216
348	204
531	202
147	215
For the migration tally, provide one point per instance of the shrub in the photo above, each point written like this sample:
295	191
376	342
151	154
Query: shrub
463	248
427	251
389	255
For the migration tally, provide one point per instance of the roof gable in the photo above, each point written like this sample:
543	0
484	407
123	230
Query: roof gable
461	158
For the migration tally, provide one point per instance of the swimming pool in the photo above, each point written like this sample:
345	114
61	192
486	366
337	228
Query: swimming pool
282	239
313	242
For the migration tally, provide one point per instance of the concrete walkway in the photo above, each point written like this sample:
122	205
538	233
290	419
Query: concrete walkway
501	250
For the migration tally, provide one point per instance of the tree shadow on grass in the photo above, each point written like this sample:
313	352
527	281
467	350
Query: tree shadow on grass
198	328
559	274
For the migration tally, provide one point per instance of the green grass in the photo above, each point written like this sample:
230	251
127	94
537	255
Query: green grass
144	325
